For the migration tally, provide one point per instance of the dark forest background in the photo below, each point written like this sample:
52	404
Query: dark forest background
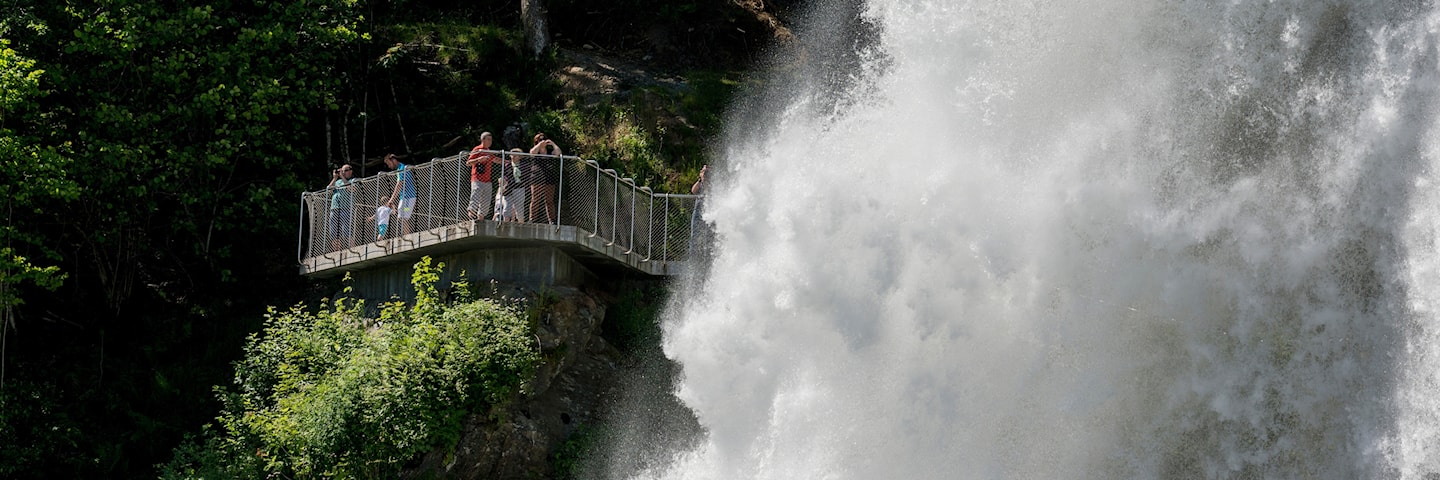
152	155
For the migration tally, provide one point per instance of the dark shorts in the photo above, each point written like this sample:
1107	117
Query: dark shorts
545	171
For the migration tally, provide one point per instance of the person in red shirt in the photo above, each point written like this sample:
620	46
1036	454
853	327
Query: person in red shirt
482	191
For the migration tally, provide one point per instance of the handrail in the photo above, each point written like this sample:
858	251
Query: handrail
578	183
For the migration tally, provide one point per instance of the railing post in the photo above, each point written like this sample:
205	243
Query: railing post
650	230
614	207
378	184
560	193
665	244
596	229
461	201
649	224
430	197
630	247
300	233
694	213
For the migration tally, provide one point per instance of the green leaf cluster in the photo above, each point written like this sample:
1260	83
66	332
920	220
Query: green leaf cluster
35	175
332	394
151	139
658	135
36	423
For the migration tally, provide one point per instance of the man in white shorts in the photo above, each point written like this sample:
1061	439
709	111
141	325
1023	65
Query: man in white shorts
483	166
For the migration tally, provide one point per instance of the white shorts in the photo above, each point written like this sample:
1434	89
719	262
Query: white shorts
481	194
405	208
512	205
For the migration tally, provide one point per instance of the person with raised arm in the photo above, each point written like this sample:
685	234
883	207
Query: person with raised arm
342	207
545	173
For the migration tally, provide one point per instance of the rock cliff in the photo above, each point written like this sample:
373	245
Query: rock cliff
518	440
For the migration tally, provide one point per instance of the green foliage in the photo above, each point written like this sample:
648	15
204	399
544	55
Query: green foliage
320	395
36	175
16	270
569	458
154	151
632	322
34	421
450	78
657	135
427	297
166	130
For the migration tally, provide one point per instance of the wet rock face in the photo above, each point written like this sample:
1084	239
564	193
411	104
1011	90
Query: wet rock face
518	440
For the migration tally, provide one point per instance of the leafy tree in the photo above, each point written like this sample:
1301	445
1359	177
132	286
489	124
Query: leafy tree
36	175
332	394
192	149
153	151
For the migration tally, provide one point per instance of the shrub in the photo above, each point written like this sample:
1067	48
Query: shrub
326	395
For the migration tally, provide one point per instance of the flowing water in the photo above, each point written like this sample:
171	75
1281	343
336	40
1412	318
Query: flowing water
1075	239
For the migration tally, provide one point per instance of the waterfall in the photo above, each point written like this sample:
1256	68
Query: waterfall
1089	239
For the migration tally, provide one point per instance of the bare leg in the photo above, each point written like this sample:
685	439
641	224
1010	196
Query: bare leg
551	215
534	201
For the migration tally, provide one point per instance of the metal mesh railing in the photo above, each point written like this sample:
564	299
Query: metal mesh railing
542	189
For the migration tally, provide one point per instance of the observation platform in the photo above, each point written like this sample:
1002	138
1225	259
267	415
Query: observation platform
606	227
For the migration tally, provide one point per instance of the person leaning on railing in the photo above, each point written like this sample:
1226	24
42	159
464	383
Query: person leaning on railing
545	172
699	229
404	192
482	193
342	207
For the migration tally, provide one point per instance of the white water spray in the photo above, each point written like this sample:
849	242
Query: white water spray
1092	239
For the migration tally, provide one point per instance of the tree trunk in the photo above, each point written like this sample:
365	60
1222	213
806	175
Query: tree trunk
537	28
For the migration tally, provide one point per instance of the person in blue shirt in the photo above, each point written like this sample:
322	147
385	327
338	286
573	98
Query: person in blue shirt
342	211
404	193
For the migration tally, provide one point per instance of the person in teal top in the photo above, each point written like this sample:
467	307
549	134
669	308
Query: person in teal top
404	193
342	208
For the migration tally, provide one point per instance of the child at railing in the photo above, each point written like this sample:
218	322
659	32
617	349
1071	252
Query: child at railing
510	200
382	221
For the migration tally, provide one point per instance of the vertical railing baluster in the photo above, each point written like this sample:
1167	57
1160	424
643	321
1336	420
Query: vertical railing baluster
560	193
300	233
461	203
665	250
430	197
597	200
630	247
649	222
615	208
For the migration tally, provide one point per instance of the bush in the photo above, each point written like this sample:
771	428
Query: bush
328	394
